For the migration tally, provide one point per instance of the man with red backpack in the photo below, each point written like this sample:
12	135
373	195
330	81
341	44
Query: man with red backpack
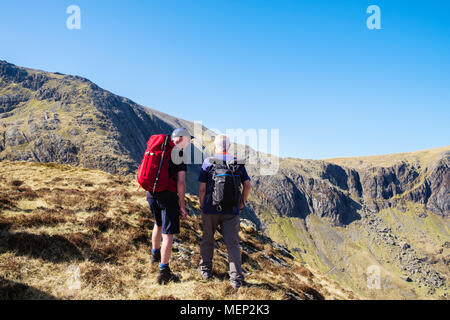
162	173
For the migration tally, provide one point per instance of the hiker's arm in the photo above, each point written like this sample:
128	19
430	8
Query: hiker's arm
202	192
181	190
245	192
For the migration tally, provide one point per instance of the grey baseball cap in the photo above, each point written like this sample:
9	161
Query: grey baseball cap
181	132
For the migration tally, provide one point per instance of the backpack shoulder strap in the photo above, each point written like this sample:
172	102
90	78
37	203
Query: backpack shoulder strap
213	160
236	162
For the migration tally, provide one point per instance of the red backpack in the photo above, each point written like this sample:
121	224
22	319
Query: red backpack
153	172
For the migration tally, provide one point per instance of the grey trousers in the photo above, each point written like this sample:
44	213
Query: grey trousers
229	224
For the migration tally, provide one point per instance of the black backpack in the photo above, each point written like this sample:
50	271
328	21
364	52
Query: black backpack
226	183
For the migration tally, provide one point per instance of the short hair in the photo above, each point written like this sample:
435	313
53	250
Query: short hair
222	142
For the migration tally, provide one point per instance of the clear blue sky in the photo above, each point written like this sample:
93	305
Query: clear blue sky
309	68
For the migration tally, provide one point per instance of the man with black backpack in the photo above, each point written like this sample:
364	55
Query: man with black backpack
163	176
221	200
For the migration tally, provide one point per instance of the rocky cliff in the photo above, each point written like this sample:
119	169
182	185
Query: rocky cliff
338	190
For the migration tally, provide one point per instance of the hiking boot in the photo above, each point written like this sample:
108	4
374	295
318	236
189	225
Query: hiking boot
236	284
156	257
206	274
165	275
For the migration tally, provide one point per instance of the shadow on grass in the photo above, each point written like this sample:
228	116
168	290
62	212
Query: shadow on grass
52	248
58	249
11	290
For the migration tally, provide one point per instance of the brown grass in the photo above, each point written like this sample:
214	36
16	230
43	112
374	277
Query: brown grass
16	183
98	221
35	219
6	202
297	269
48	227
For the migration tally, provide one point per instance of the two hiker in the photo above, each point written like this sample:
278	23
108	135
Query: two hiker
220	198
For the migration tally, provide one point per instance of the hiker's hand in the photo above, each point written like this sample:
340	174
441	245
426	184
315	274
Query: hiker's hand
242	205
183	213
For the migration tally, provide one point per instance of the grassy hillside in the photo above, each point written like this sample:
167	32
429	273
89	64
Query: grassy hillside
345	253
73	233
396	232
